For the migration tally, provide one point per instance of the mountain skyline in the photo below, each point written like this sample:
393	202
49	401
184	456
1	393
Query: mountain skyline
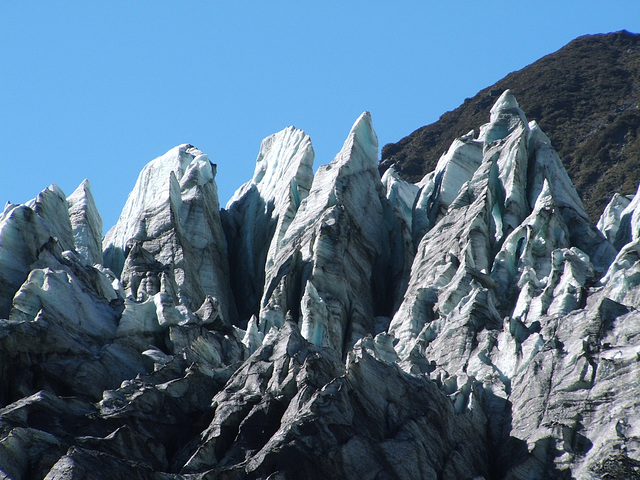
477	327
97	93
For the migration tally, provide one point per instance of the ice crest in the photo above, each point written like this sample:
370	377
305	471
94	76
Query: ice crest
476	323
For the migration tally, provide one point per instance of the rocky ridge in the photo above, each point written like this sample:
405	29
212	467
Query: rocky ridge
475	325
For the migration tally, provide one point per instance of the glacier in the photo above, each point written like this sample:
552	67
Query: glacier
342	324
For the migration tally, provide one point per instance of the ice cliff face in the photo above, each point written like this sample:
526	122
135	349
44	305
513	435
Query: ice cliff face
259	214
328	273
169	237
337	325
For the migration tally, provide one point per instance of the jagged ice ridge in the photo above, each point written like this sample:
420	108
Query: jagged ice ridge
475	325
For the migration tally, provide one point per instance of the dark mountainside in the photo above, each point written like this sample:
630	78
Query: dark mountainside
585	95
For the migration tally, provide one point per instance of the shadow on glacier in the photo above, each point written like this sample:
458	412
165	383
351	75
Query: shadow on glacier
510	456
247	247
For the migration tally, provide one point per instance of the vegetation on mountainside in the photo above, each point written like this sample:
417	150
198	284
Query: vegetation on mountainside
585	97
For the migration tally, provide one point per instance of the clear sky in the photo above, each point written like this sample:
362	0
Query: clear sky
98	89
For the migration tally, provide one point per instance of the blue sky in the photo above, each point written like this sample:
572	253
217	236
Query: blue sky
98	89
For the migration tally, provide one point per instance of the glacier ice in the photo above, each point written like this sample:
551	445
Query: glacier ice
628	223
506	116
474	325
329	270
171	222
609	221
260	212
440	188
22	236
51	206
401	194
86	223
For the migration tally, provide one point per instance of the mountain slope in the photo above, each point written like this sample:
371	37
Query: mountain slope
586	96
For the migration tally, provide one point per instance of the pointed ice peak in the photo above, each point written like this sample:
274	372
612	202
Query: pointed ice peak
261	210
609	221
545	197
274	150
359	153
506	116
85	186
152	187
364	125
81	194
390	176
178	160
361	136
56	189
51	206
440	188
536	136
86	223
506	103
283	157
52	191
346	196
182	175
253	338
